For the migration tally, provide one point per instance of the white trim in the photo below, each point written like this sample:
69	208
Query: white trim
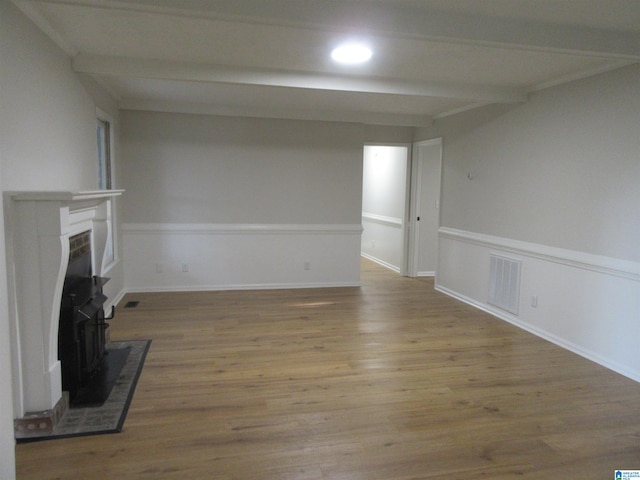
572	347
240	229
415	196
611	266
382	219
63	196
426	274
229	287
380	262
455	111
107	268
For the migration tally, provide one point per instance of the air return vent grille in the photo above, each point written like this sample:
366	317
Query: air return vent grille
504	283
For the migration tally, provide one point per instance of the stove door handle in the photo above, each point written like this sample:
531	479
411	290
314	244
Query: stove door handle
112	314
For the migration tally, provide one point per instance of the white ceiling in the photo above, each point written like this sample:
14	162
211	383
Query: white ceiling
270	58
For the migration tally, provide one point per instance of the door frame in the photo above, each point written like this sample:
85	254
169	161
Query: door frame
414	183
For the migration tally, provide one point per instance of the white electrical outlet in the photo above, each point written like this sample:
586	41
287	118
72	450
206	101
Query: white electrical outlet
307	265
534	301
185	267
159	268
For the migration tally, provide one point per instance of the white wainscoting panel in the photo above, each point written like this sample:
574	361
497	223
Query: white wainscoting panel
382	240
586	303
174	257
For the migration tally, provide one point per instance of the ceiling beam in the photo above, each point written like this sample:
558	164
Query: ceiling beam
367	118
195	72
396	20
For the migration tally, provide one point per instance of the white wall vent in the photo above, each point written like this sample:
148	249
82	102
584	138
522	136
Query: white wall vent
504	283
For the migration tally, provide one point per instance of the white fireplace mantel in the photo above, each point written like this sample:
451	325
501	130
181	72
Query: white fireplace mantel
39	226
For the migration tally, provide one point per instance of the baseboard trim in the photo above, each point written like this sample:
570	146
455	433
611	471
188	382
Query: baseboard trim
380	262
253	286
587	354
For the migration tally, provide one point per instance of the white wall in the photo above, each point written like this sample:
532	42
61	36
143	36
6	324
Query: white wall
207	169
554	184
44	113
243	202
7	442
560	170
47	137
384	182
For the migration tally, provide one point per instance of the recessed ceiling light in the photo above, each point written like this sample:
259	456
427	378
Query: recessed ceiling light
351	53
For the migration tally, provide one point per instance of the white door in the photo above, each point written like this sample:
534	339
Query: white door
424	218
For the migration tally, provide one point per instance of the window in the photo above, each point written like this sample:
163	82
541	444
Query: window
105	182
104	154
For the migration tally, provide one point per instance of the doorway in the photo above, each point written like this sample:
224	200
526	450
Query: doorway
385	177
401	206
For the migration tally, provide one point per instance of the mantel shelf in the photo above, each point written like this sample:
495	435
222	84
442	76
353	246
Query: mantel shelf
64	196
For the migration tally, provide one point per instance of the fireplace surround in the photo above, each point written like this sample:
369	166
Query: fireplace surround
39	225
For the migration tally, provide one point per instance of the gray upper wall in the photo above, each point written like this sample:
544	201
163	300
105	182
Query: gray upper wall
181	168
47	126
561	170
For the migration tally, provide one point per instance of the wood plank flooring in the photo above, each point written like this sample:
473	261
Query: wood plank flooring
391	381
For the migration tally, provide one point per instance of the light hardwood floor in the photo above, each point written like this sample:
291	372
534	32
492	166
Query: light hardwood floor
391	381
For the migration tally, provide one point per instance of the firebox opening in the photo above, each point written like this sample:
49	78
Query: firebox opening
79	267
82	329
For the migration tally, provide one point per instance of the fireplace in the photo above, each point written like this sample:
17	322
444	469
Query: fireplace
39	226
82	325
